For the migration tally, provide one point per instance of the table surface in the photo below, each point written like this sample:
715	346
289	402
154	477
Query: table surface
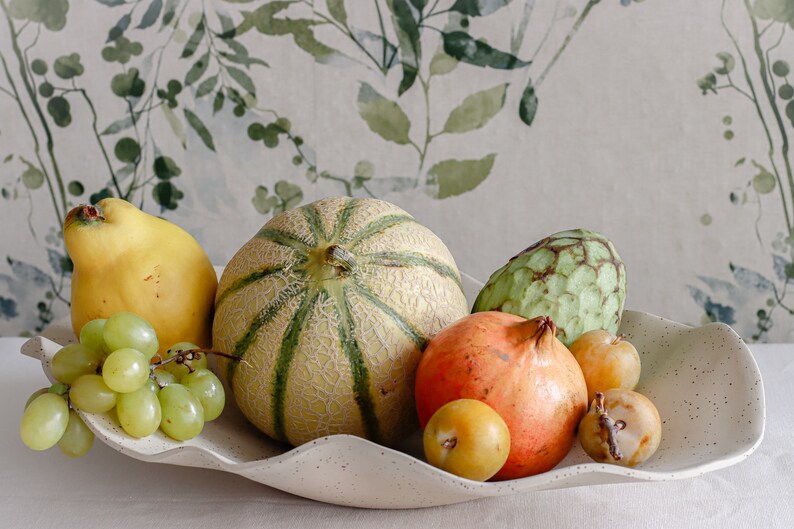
108	489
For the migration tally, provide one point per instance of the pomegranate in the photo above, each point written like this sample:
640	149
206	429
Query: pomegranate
520	369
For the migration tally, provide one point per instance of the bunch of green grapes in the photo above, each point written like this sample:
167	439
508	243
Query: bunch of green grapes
116	365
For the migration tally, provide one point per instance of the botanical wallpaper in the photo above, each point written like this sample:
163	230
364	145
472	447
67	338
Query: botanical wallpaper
219	114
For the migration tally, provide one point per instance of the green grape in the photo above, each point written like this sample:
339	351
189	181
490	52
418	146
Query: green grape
182	414
152	386
180	369
163	377
127	330
59	388
44	421
125	370
73	361
90	393
35	394
139	412
91	336
208	389
77	439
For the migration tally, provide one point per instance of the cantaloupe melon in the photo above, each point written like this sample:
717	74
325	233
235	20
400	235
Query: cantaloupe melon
328	309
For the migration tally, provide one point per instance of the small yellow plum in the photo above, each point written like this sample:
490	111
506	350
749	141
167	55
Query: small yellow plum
468	438
622	427
607	361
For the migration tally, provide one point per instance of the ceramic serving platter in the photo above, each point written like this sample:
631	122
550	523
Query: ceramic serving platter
703	380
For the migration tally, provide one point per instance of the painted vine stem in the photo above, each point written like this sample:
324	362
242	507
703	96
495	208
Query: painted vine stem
759	88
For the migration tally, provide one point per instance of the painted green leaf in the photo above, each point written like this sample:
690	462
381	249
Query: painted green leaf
175	124
169	13
528	106
337	10
256	131
121	124
374	45
322	53
364	169
32	177
265	21
207	86
68	66
780	68
46	90
52	13
290	194
465	48
151	15
478	8
75	188
408	36
127	150
165	167
121	26
476	110
419	4
217	103
751	279
790	111
197	70
128	83
441	63
779	10
728	63
708	83
262	202
167	195
8	158
60	263
195	39
455	177
383	116
99	195
29	273
389	184
764	182
241	55
786	91
60	110
242	78
38	66
195	122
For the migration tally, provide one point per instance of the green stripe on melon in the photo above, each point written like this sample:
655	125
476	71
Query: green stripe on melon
328	309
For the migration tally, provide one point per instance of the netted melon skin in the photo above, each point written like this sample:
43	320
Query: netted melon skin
335	355
576	277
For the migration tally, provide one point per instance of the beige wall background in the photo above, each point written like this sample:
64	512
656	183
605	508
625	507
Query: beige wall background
624	141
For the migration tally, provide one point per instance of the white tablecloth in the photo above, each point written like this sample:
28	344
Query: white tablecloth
108	489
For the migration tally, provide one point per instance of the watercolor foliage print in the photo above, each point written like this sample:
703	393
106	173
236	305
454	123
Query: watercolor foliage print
757	72
176	72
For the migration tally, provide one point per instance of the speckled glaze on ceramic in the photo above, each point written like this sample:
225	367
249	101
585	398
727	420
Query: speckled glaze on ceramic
704	382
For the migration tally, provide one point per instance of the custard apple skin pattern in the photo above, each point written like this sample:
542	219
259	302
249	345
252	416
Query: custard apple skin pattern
575	277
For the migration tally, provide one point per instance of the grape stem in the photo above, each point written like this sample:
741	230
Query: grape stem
609	426
180	357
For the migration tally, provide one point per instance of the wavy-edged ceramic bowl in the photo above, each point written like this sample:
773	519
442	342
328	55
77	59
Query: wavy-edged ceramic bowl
703	380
